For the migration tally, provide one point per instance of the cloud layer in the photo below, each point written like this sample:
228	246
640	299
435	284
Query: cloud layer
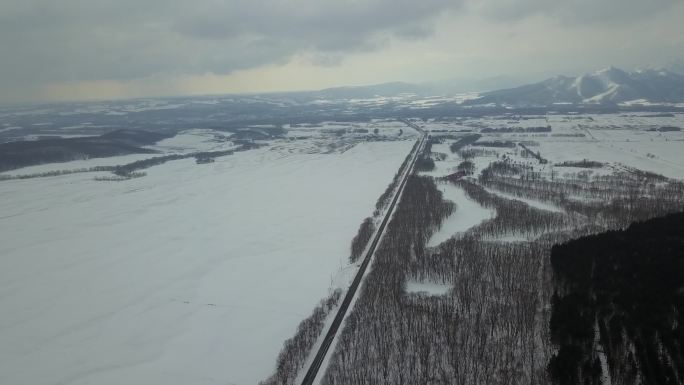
62	41
573	11
70	40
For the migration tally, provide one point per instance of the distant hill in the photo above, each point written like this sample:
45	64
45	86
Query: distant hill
18	154
608	86
353	92
393	89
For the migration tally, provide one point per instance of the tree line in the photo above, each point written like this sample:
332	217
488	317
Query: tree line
384	199
361	239
297	349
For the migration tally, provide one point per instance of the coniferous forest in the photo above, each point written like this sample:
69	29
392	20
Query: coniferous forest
617	305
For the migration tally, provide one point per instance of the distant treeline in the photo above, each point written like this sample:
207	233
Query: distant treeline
666	129
57	173
200	157
580	164
610	201
19	154
129	170
495	143
425	161
464	141
510	130
537	155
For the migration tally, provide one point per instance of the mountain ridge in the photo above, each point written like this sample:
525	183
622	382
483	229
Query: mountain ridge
607	86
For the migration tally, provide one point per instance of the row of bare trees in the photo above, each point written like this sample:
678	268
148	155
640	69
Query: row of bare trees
297	349
386	197
131	170
612	201
45	174
361	239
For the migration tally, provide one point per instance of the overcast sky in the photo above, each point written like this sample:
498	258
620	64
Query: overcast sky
102	49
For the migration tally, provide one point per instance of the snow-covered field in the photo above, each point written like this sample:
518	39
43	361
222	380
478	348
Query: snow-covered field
468	214
427	288
195	140
193	274
633	140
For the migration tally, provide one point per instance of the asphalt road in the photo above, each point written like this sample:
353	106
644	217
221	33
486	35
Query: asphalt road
313	370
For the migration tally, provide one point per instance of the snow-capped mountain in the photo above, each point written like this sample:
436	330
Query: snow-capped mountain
610	85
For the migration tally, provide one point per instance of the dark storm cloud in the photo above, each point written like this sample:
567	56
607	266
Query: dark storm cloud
73	40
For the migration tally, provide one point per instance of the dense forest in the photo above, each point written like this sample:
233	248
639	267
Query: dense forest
382	339
617	306
464	141
425	161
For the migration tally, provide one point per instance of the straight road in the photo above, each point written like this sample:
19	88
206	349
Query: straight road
315	367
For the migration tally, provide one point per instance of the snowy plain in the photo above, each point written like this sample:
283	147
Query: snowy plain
193	274
632	140
427	288
196	274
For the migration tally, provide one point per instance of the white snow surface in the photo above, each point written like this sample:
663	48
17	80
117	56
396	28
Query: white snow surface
195	140
630	140
427	288
468	214
194	274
